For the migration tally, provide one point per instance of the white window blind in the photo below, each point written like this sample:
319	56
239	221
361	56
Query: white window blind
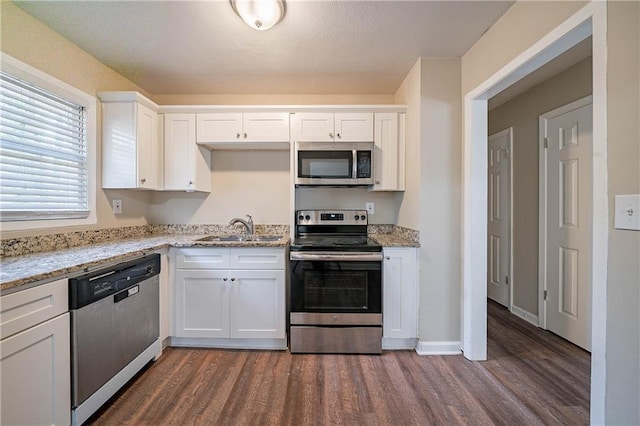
43	154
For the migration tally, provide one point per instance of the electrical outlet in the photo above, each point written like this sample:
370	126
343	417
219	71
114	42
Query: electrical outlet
117	206
371	207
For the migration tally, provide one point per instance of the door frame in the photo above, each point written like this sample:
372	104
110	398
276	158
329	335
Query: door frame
589	20
542	201
508	131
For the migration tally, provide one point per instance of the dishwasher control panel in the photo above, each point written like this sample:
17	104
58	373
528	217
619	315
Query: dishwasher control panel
120	280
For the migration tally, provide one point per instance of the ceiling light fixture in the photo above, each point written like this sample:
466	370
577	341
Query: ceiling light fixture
259	14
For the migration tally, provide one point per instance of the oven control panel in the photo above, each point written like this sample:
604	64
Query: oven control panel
331	217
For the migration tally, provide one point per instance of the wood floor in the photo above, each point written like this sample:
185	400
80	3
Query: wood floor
530	377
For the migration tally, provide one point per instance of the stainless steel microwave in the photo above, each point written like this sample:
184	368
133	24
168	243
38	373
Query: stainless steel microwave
334	163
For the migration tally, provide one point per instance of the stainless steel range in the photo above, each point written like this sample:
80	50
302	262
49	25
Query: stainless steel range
336	284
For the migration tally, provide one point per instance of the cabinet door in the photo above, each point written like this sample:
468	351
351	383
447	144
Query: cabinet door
389	152
187	166
400	293
219	127
266	127
148	149
354	127
36	375
313	126
258	304
202	303
119	152
179	147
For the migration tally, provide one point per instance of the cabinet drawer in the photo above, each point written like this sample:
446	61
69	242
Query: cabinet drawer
26	308
202	258
257	258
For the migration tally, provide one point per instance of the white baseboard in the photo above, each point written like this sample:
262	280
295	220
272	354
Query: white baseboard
527	316
222	343
439	348
398	344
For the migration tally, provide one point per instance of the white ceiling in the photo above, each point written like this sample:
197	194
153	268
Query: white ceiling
321	47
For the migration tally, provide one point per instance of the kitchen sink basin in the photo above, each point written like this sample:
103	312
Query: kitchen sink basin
231	238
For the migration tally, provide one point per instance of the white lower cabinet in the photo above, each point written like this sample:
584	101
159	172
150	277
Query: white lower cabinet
35	365
225	295
400	298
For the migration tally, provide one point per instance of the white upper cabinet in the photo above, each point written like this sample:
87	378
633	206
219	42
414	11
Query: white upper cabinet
265	126
131	149
187	166
389	155
243	130
333	127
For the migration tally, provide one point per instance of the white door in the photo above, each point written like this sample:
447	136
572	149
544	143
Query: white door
568	216
499	218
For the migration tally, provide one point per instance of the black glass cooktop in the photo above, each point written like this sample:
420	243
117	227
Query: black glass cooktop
335	243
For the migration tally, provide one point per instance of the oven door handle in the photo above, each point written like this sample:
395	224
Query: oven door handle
336	256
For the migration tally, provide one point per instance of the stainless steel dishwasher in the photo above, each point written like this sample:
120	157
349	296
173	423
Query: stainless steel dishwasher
114	330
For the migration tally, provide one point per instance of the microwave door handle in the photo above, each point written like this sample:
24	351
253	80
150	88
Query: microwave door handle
354	168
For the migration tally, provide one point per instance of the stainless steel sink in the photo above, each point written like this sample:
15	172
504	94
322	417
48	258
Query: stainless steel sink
239	238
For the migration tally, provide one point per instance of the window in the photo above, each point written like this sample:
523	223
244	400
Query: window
46	161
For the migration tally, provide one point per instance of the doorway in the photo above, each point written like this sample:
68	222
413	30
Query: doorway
590	20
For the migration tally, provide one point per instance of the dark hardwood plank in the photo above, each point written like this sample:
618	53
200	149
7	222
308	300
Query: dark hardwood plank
531	377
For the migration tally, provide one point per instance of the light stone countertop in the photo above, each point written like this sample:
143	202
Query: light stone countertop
22	270
394	240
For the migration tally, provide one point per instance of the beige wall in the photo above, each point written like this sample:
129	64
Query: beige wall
243	182
518	29
431	202
409	94
522	114
522	25
623	152
33	43
273	99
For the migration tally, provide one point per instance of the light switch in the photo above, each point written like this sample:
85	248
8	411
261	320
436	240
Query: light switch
627	212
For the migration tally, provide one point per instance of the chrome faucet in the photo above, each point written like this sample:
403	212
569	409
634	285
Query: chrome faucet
248	224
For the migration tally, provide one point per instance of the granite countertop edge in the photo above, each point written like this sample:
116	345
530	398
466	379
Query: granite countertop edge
21	271
34	269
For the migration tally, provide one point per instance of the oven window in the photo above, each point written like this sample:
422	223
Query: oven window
335	290
325	164
329	286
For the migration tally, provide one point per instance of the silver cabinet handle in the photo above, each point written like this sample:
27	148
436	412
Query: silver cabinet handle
143	180
190	182
387	257
237	135
225	279
331	135
245	135
377	182
233	279
338	135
